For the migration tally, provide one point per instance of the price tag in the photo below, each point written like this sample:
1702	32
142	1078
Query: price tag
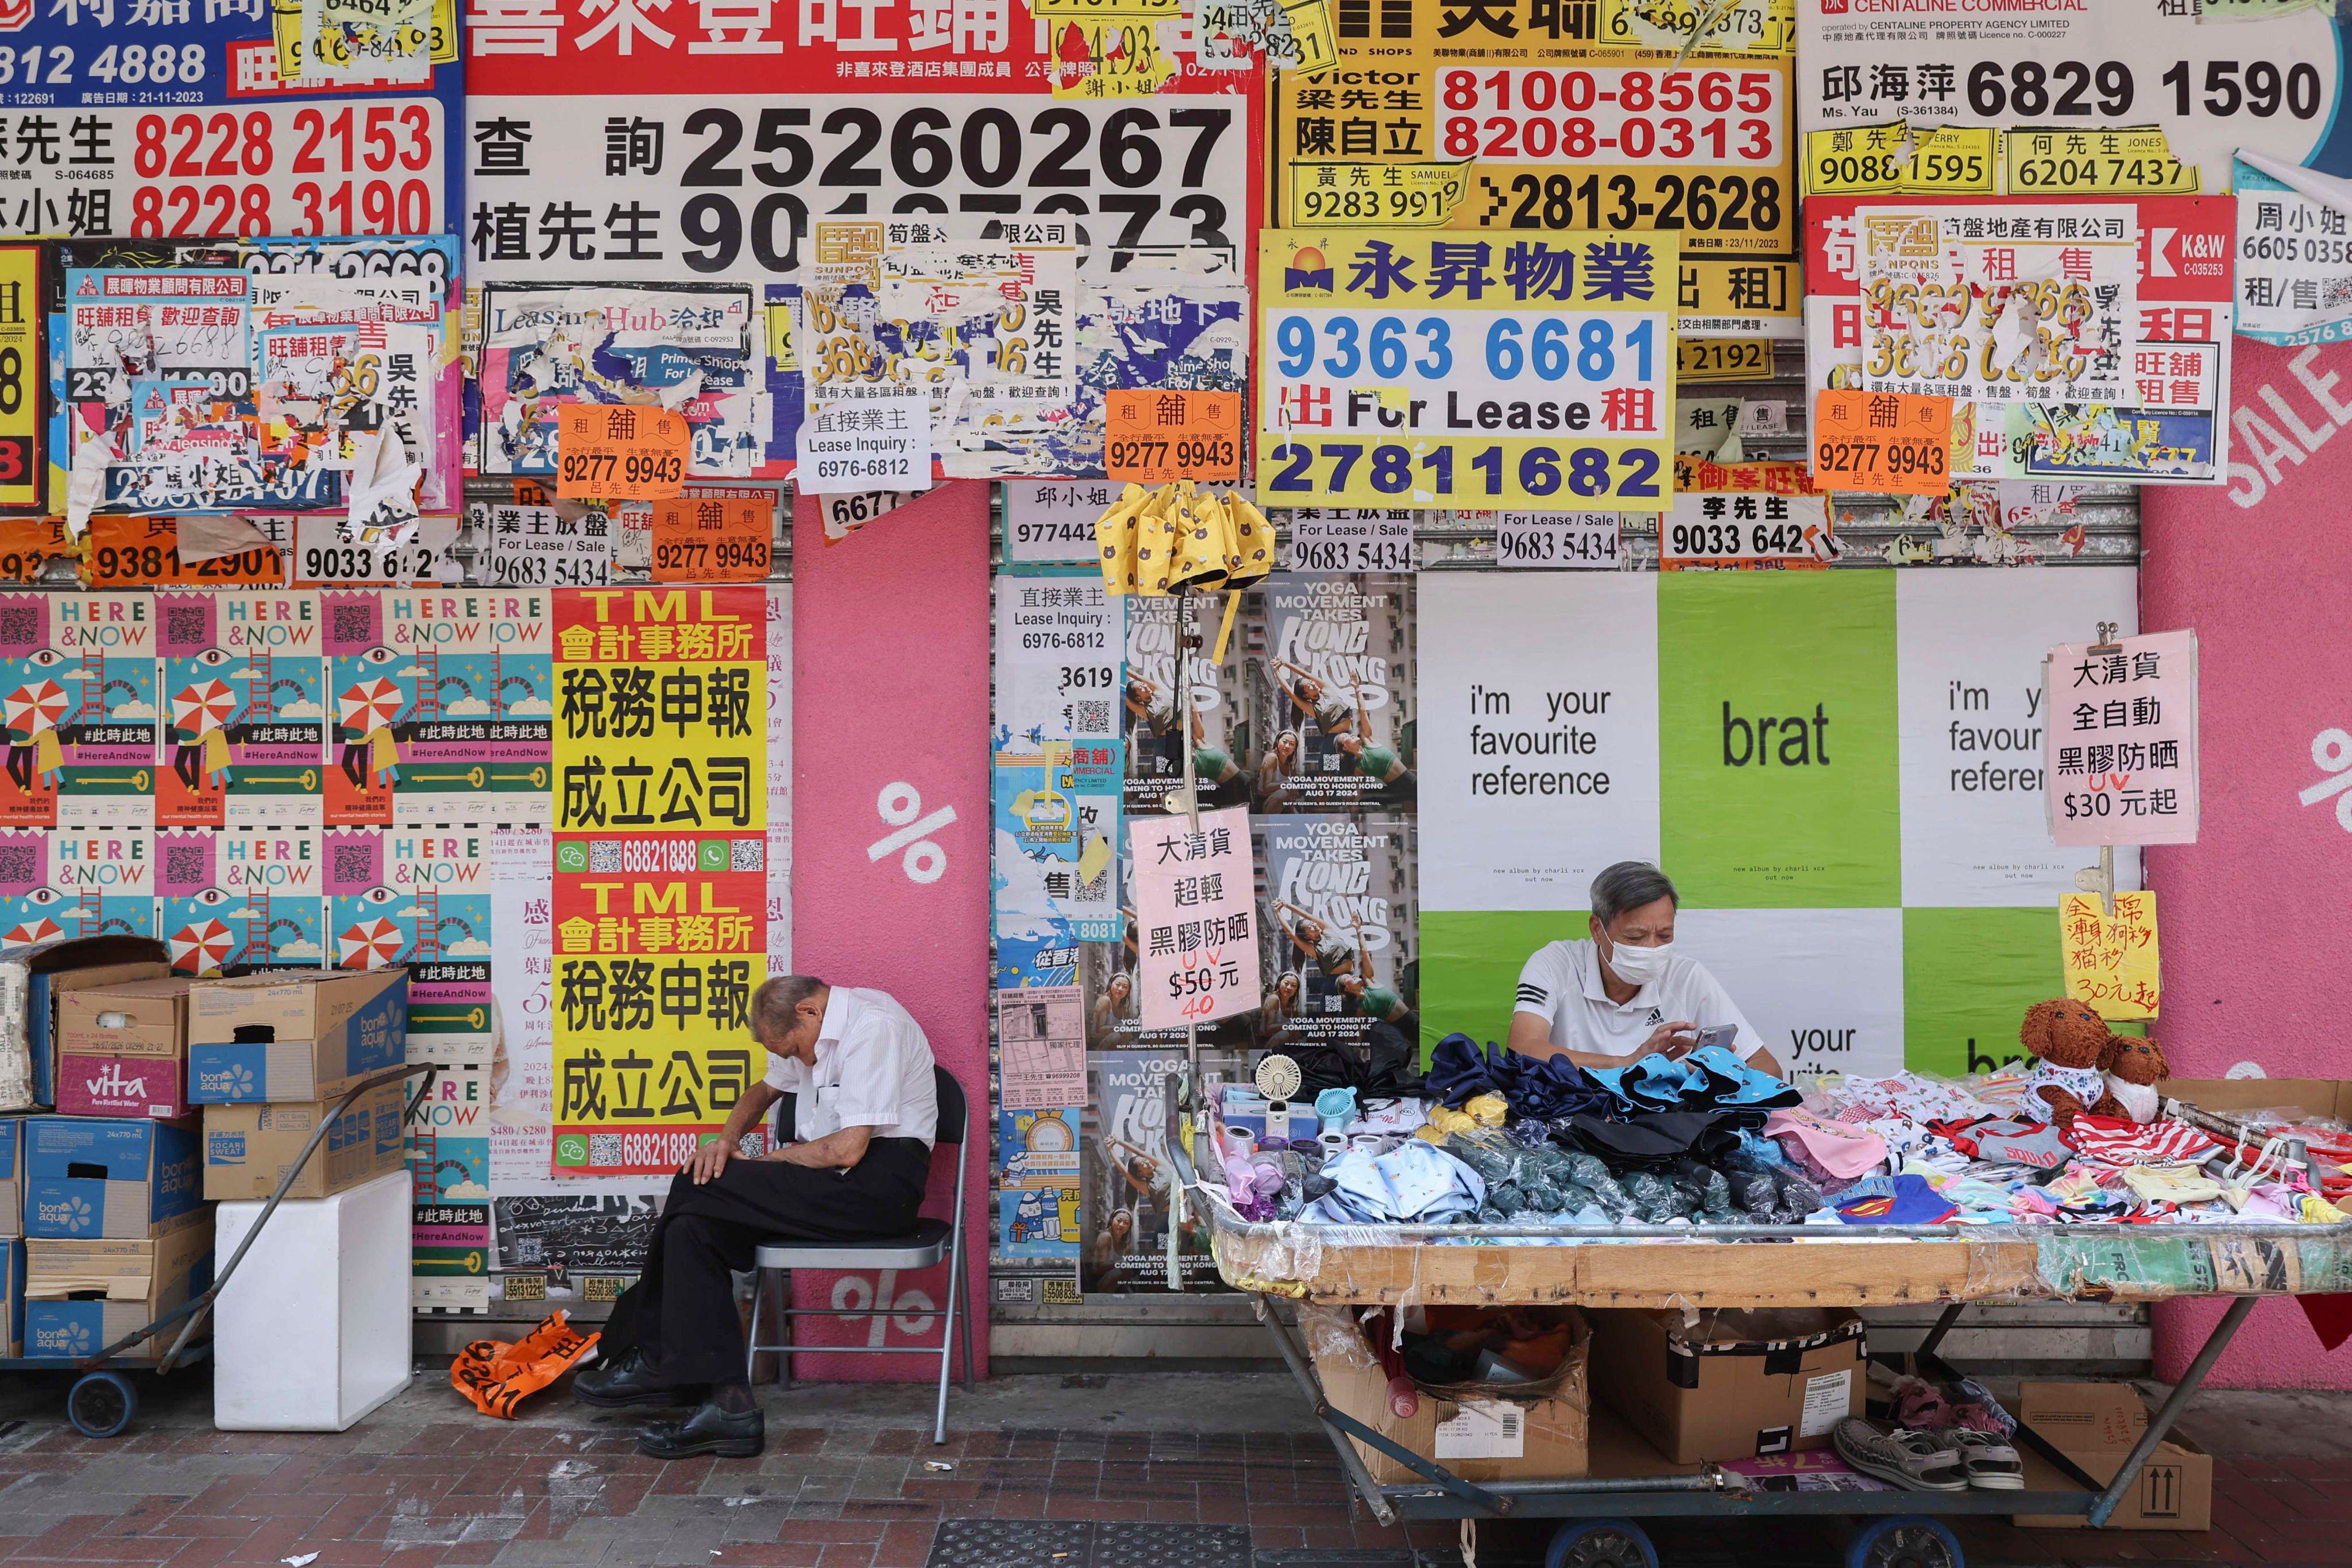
1892	442
26	542
713	540
321	559
1153	438
144	552
1557	541
1747	529
1053	519
1350	540
845	514
1703	360
620	451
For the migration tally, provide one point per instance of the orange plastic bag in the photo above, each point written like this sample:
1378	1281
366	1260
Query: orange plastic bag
496	1376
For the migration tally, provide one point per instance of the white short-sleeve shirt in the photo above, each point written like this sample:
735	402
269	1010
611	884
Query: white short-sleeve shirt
873	1070
1561	985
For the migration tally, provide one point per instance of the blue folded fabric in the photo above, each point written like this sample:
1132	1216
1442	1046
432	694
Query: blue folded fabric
1459	1072
1913	1202
1738	1084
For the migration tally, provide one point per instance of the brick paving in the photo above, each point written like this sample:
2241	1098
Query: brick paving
850	1480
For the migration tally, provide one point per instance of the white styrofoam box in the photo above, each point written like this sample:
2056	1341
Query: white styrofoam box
314	1327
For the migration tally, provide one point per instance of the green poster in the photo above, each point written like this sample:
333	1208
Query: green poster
1776	741
1470	967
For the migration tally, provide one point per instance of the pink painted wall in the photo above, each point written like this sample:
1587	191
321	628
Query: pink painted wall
2257	926
890	647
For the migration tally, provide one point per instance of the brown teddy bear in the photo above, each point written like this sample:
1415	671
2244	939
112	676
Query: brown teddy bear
2135	1066
2074	1048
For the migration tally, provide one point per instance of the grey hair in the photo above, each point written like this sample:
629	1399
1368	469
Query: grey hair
1628	885
773	1003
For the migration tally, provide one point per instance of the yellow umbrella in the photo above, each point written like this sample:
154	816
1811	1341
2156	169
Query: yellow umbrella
1179	536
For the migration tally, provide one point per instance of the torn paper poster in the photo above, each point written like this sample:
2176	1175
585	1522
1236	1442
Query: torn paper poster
374	42
2027	304
2295	253
2168	425
546	347
384	491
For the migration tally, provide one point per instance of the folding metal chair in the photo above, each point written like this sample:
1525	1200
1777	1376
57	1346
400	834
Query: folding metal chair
926	1244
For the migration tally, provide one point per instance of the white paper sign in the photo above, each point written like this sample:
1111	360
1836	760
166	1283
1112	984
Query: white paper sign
1345	539
847	512
1053	519
2122	751
538	546
859	443
1558	541
1829	1399
1195	916
1061	643
1483	1429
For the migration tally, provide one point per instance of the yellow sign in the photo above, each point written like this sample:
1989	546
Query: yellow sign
2041	160
1375	195
1902	160
1109	56
20	375
1758	297
2111	964
1699	361
1424	368
286	30
1572	137
1744	27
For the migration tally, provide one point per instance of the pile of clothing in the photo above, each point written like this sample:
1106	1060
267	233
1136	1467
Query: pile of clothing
1704	1139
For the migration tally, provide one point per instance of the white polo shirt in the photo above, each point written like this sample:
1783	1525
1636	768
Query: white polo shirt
1561	985
873	1070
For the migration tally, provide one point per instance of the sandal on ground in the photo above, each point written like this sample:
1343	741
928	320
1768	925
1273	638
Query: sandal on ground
1916	1461
1990	1465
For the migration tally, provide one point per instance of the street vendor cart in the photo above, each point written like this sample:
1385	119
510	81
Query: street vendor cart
1701	1266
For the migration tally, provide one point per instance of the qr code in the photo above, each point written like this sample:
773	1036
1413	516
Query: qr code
604	1148
354	863
350	625
2339	290
183	866
603	855
747	855
20	864
183	626
1094	890
1093	716
20	626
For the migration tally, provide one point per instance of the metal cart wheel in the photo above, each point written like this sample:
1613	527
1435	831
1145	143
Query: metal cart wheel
1906	1540
1600	1544
101	1404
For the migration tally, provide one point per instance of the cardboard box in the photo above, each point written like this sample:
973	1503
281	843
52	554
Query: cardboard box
248	1147
81	1296
1479	1440
290	1037
1737	1384
34	979
2095	1425
12	1176
115	1177
138	1066
12	1298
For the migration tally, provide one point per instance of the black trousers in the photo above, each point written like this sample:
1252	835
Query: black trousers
681	1311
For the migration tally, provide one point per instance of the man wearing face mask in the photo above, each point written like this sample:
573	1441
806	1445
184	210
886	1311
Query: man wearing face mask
1626	992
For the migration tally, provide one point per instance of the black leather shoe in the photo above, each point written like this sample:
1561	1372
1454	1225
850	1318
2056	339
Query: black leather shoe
730	1435
627	1381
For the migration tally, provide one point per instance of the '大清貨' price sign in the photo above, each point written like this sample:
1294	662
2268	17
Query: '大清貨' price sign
1896	442
1404	368
1195	915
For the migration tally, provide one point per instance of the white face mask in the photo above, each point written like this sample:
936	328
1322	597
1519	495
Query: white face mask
1637	965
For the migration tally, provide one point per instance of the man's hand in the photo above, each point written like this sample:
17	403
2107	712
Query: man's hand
1670	1040
705	1163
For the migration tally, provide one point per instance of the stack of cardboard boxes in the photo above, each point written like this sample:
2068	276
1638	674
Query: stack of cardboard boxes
111	1194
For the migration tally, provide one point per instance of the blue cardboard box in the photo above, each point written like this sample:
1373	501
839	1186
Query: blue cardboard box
12	1176
82	1295
88	1178
12	1298
292	1036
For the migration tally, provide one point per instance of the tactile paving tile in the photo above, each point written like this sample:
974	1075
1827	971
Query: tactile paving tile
1011	1543
1165	1545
